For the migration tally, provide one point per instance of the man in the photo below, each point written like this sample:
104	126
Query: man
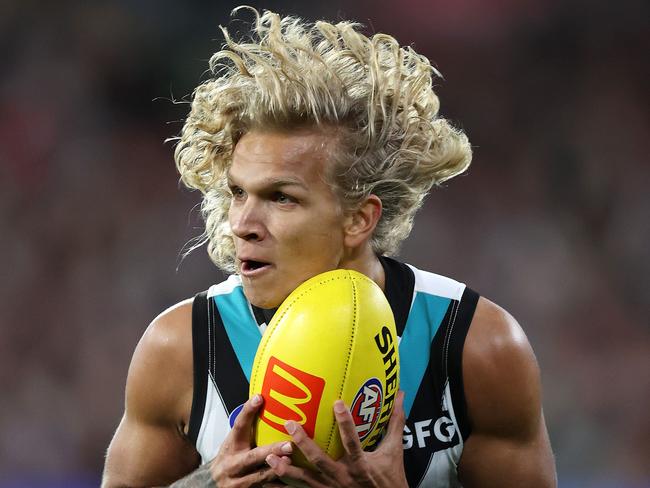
314	146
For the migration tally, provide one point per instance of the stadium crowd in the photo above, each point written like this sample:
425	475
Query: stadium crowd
551	221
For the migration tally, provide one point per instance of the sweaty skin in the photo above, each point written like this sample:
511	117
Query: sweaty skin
279	193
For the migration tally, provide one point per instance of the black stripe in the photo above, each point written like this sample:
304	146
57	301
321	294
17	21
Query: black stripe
428	405
225	368
399	285
263	315
454	365
259	315
200	358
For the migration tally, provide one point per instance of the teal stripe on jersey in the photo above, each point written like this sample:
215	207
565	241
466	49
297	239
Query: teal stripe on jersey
424	319
240	326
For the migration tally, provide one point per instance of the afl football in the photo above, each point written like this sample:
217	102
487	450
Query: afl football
332	338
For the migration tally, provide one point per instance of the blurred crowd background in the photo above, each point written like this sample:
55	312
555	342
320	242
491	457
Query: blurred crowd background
551	221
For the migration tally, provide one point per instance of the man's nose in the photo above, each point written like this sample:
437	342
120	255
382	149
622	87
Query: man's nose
247	220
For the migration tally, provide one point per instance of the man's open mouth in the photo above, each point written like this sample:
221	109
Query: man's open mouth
250	265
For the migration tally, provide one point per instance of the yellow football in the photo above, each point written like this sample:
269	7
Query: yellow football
332	338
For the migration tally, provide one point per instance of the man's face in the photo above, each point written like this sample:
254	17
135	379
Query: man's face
286	221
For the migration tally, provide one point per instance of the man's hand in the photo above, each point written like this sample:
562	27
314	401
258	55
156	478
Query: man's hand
238	464
383	467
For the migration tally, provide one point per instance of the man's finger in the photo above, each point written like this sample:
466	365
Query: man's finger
285	470
252	460
258	477
349	436
241	429
310	449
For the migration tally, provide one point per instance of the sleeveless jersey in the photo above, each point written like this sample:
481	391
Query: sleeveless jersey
432	315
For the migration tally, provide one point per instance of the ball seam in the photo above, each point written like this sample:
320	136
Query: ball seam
266	343
347	361
270	330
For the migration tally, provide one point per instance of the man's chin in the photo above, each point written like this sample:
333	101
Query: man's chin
262	298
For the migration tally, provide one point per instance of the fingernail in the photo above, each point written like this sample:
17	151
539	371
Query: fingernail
286	448
271	460
290	427
339	406
256	400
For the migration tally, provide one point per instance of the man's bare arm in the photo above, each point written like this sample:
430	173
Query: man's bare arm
149	447
509	444
201	477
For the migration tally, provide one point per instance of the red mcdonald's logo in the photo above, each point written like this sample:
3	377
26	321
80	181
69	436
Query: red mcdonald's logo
290	394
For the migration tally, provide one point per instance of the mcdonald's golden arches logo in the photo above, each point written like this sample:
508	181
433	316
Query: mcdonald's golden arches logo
290	394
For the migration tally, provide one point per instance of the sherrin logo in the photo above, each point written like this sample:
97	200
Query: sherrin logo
386	347
366	407
290	394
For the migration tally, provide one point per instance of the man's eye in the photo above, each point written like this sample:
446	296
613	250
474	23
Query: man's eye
237	192
282	198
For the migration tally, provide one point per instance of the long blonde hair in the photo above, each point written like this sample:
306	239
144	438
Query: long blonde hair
377	95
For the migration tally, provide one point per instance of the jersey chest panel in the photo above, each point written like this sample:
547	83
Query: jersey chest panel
433	437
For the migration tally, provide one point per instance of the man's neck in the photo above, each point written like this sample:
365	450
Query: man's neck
367	263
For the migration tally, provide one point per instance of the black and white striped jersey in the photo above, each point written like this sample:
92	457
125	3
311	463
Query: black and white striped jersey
432	315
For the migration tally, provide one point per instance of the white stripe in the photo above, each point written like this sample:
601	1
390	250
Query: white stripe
215	425
225	287
438	471
435	284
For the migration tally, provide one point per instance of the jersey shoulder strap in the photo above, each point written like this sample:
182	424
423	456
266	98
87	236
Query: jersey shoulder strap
448	306
200	363
453	344
225	336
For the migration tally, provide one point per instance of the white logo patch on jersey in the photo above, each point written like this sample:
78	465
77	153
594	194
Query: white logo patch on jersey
443	430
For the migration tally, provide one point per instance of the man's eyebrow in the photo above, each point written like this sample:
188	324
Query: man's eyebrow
272	182
283	181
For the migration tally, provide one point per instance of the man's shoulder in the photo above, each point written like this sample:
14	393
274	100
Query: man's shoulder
499	367
160	375
508	442
498	363
170	332
172	320
495	334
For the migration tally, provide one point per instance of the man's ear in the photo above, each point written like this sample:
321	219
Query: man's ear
361	223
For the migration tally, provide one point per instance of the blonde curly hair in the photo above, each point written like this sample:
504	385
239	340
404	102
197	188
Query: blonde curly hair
376	95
